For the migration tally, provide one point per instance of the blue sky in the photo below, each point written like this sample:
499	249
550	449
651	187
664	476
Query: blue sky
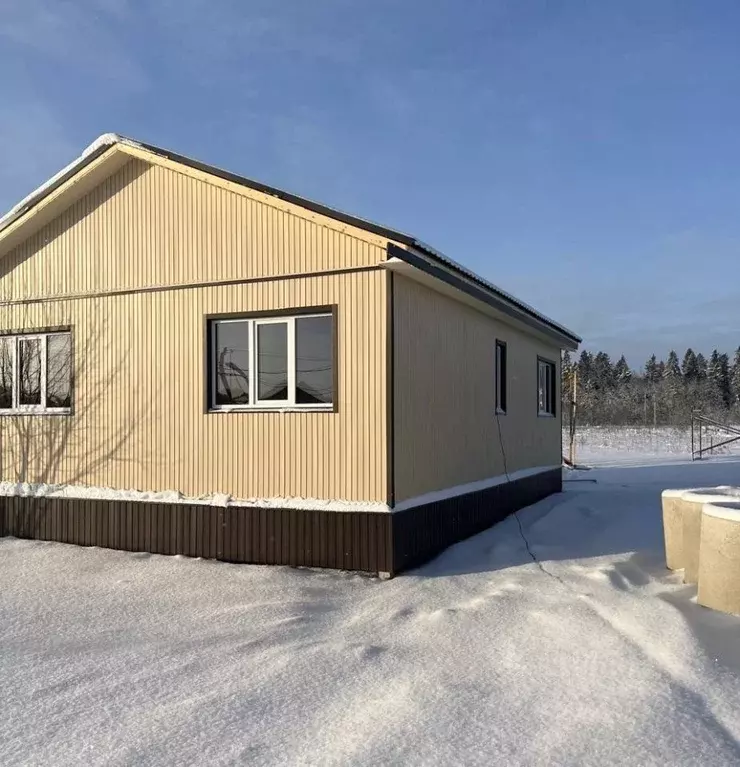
583	155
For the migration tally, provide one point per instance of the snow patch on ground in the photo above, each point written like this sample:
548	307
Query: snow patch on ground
592	654
610	445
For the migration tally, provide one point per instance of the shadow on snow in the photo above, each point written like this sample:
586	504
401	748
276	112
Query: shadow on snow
618	511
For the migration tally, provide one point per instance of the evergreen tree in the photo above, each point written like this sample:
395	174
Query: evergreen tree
667	391
651	369
725	386
673	388
735	378
701	367
689	366
585	368
714	368
718	376
622	372
603	373
672	368
566	376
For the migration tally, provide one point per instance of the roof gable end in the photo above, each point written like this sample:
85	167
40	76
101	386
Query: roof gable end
111	151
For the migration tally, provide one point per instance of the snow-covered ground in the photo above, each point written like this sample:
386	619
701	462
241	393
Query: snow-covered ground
594	654
626	445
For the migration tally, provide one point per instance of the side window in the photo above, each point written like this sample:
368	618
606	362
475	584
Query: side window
545	387
501	377
36	373
272	362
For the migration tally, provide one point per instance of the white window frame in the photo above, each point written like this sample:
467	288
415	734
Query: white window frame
546	388
42	409
290	361
256	404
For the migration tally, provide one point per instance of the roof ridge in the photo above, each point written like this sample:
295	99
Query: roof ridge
107	140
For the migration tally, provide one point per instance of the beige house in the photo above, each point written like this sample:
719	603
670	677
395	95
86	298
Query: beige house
184	334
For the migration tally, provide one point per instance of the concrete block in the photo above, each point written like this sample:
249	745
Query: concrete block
690	505
672	528
719	563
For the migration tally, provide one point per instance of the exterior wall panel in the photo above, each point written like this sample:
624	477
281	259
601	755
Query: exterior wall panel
445	427
148	226
140	355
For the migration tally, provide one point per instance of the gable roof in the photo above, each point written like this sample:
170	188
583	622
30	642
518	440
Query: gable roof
421	255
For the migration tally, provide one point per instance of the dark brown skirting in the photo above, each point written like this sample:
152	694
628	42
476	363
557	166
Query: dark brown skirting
420	533
341	540
367	541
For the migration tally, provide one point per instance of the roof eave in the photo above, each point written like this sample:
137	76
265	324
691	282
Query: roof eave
425	256
89	155
460	278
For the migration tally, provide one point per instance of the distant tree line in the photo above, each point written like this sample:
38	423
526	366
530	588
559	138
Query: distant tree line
664	392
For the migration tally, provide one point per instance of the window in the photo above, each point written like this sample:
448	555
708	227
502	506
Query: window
546	387
500	373
272	363
36	373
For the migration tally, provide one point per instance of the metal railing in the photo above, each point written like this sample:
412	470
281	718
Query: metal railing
705	429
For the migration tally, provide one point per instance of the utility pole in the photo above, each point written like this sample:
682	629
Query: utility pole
644	407
573	411
655	410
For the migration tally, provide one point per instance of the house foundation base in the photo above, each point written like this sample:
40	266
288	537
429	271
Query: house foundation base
376	542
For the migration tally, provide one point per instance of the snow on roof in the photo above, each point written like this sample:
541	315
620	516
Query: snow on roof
104	141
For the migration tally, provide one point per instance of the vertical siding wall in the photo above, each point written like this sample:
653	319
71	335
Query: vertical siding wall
140	419
148	226
445	429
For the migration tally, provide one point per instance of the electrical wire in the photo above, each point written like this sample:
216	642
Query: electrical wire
516	513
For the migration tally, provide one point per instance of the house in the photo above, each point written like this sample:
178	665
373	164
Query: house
193	362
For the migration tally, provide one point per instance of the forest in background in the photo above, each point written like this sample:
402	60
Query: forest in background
663	393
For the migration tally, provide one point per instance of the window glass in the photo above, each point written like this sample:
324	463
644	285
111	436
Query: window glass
6	372
542	387
286	361
314	369
272	361
59	370
29	363
500	376
232	363
546	387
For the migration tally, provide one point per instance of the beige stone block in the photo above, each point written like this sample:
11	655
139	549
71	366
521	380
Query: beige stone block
719	564
672	528
690	506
